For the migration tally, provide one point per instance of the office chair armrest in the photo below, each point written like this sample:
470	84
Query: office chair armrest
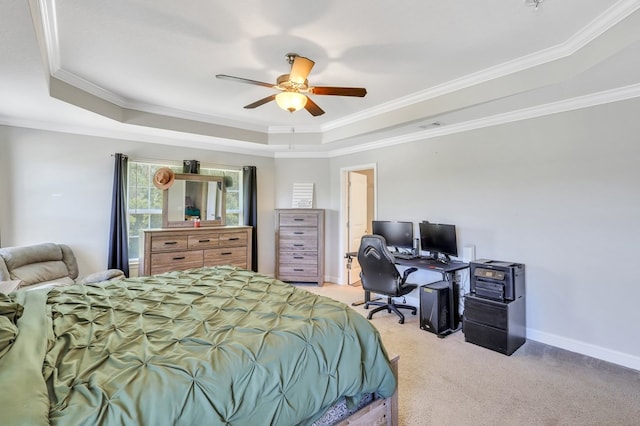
406	273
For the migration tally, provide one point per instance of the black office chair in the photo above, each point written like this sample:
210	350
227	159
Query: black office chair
380	275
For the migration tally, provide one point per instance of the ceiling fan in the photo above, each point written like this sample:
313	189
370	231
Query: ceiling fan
294	86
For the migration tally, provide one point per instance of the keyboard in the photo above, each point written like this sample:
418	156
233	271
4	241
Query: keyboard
405	256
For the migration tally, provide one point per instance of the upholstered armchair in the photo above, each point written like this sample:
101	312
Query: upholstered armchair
46	265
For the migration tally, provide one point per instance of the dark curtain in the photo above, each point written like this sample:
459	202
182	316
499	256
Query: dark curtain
250	209
118	240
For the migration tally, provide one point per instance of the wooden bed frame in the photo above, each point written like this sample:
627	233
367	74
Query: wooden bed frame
379	412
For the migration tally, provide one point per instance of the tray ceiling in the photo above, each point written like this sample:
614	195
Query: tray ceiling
146	69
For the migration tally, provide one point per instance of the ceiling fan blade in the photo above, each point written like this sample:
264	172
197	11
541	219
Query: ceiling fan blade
245	80
313	108
339	91
261	102
300	69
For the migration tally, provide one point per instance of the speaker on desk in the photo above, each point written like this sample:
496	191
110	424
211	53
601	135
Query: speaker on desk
434	307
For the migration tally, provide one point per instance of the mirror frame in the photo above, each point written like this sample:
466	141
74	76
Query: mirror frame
166	223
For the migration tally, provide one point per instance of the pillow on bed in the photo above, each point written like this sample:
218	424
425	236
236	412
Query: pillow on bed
10	311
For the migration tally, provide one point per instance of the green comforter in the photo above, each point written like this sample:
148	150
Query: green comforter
206	346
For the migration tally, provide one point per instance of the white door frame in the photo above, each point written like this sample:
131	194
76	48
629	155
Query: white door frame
344	244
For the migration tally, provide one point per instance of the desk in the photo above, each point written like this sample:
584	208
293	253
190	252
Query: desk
448	271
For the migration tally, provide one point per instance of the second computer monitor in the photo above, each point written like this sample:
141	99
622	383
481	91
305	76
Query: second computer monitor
398	234
438	238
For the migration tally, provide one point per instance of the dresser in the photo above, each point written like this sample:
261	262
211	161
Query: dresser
300	245
165	250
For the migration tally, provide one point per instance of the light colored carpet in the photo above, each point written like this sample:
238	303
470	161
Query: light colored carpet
450	382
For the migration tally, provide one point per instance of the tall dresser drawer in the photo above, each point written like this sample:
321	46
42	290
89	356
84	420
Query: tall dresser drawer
236	256
175	261
286	271
298	233
298	245
299	219
302	258
162	243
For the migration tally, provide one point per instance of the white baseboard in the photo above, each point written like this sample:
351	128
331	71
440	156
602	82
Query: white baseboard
332	280
604	354
598	352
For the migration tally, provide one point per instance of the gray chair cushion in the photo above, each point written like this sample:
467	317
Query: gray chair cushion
40	263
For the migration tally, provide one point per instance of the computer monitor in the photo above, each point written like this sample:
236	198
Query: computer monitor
398	234
437	238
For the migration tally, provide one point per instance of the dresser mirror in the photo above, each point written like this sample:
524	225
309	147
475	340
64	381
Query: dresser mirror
194	198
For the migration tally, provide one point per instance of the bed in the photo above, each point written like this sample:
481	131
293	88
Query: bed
218	345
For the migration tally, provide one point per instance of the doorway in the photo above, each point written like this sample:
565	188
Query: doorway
357	212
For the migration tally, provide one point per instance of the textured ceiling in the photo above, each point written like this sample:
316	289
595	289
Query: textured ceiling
145	70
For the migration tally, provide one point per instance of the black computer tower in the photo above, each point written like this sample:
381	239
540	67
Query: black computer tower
434	307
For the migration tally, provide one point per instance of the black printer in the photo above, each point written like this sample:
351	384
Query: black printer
496	279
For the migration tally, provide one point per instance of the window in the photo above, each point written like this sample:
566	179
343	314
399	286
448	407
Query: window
144	200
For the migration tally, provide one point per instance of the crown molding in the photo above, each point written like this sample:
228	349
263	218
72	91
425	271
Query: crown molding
597	27
612	16
591	100
173	138
291	151
587	34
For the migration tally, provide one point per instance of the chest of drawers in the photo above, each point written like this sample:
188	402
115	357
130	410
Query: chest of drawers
300	245
165	250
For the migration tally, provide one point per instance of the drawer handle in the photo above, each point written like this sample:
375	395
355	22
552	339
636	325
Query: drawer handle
298	233
234	239
298	270
298	219
298	245
298	257
169	243
179	258
204	241
226	253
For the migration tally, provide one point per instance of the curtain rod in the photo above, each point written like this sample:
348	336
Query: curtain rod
166	162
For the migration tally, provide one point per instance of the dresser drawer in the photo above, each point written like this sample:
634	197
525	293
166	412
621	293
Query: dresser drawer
228	239
302	258
298	245
299	219
203	241
175	261
295	272
301	232
164	243
236	256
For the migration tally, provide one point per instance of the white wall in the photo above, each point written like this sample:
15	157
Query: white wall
316	171
57	187
307	170
558	193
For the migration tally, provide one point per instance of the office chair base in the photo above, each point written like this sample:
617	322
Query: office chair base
389	306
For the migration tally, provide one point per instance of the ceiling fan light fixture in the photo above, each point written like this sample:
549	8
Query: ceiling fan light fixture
291	101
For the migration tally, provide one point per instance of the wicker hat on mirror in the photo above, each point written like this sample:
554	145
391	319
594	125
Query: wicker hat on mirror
163	178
